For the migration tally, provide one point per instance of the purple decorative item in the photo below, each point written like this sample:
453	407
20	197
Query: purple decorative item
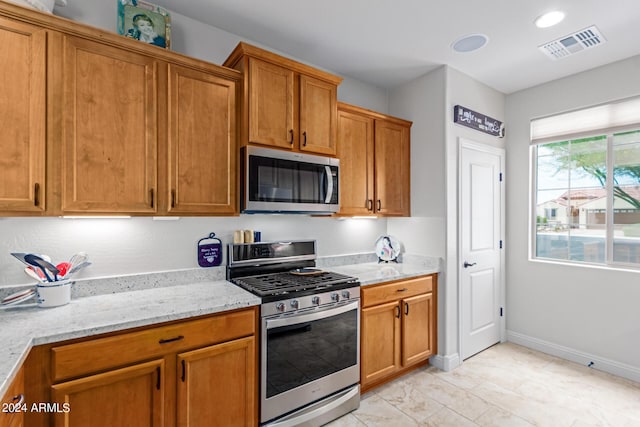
209	254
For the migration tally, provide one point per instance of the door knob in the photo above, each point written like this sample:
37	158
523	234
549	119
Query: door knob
466	264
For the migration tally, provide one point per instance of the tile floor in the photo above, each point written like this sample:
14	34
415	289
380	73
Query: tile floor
505	385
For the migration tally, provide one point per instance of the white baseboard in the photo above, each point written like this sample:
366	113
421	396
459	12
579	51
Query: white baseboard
596	362
445	363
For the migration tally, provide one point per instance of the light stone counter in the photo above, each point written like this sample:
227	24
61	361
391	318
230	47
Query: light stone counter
27	325
108	305
372	273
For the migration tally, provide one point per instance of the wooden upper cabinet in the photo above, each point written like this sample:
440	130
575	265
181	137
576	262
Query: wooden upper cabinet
374	153
287	104
355	151
392	171
202	143
271	104
110	129
318	116
22	117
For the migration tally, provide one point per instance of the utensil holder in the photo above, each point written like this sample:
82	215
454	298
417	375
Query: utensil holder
53	294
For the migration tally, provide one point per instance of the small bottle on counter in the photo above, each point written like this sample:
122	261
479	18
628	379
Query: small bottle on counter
238	236
248	236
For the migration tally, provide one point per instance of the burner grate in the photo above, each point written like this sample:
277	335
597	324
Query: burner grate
285	283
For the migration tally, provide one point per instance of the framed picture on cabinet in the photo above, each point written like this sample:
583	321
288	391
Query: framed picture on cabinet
144	21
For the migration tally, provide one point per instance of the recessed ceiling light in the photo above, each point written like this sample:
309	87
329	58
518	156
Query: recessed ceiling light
549	19
470	43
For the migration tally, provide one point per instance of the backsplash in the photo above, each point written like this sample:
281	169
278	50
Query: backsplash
135	282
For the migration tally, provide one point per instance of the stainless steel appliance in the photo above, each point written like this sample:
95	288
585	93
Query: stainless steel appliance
310	332
288	182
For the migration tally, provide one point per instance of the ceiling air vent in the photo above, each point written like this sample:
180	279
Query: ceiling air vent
573	43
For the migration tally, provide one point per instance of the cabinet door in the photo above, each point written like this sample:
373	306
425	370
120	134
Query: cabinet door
202	143
355	151
131	396
318	109
418	329
110	129
22	117
272	115
217	385
392	162
13	403
380	343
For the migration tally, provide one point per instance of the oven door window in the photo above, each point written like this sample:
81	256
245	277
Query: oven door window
303	352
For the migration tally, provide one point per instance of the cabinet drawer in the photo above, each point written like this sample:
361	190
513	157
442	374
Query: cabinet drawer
379	294
99	354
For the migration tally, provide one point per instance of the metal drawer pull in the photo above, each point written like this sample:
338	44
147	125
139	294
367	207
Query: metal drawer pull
402	290
178	338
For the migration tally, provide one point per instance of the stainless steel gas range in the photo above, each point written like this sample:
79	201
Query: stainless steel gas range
310	332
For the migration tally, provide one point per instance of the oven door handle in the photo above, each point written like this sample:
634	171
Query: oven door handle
310	317
329	191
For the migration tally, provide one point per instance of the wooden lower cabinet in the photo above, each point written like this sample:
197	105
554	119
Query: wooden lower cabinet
131	396
13	403
215	386
199	372
398	328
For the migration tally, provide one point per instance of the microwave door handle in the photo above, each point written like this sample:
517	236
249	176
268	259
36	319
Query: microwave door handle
329	191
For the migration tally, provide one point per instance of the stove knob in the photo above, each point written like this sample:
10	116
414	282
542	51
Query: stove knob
280	307
294	304
346	294
315	300
335	297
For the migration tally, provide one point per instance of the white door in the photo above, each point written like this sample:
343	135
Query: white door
481	230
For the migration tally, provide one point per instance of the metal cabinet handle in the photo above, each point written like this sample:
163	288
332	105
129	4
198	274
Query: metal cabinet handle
159	372
402	290
36	194
168	340
18	400
304	138
406	308
369	204
151	196
379	205
291	133
466	264
397	311
184	371
173	198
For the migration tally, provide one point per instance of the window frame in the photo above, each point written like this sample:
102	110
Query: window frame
609	261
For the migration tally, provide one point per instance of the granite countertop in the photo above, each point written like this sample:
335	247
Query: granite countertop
27	325
373	273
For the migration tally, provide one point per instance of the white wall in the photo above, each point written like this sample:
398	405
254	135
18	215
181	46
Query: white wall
594	311
139	245
433	228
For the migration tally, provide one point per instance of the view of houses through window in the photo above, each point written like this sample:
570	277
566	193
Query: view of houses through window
584	213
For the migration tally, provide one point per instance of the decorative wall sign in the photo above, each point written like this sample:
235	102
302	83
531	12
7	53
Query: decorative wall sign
140	20
210	254
469	118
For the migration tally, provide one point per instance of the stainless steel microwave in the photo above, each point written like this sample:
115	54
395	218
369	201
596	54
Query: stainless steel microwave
278	181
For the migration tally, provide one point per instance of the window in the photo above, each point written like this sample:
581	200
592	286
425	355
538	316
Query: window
587	192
